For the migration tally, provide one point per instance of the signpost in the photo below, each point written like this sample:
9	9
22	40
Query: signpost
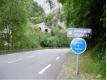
78	44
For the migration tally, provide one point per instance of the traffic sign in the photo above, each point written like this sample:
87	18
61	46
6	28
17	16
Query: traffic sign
79	32
78	45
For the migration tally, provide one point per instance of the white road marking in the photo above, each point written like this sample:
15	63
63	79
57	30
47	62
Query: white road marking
57	58
15	61
44	69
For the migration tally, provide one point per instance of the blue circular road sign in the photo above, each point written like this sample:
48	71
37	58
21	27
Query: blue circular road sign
78	45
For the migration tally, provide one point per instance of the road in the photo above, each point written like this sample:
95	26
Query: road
32	65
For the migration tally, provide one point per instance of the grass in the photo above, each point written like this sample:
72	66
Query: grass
88	68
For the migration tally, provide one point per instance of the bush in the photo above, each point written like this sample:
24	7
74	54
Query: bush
57	39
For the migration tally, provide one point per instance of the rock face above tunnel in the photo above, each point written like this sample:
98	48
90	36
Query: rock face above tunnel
52	8
49	6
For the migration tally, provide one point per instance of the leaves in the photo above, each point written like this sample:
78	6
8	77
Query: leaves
89	14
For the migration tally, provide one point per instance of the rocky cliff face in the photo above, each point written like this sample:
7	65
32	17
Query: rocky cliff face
51	7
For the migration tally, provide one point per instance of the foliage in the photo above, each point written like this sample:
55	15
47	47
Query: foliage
27	39
37	13
57	39
18	16
94	69
89	14
12	16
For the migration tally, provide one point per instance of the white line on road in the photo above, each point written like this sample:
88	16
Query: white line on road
15	61
43	70
57	58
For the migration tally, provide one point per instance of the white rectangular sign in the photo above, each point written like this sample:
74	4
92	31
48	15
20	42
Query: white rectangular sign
79	32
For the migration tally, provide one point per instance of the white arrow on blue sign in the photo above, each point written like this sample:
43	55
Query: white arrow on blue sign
78	45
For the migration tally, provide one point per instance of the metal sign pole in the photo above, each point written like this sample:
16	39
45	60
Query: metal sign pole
77	65
78	46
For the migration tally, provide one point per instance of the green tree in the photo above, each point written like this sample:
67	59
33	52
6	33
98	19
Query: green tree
13	17
89	14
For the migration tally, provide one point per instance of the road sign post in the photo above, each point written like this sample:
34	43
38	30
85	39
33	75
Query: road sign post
78	46
77	65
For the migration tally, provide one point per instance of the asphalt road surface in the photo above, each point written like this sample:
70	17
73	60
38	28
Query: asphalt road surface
32	65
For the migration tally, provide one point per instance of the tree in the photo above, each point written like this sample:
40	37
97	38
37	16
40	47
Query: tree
89	14
14	14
